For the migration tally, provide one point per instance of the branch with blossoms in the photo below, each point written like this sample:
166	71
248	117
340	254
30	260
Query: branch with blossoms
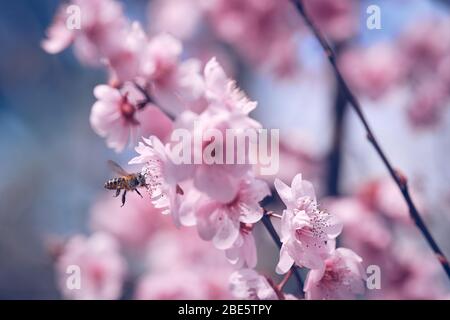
151	93
396	175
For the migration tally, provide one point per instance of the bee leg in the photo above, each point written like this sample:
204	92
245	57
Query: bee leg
138	192
123	197
117	193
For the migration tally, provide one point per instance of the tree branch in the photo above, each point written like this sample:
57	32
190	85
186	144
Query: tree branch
399	179
335	155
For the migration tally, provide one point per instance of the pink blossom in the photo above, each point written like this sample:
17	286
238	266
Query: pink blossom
133	225
342	277
180	285
99	35
365	230
249	285
338	19
102	269
373	71
177	17
182	266
297	153
428	101
257	30
426	46
307	233
222	92
117	119
158	172
213	176
243	251
175	85
221	222
383	196
125	64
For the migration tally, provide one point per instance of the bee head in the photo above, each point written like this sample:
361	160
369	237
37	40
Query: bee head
141	179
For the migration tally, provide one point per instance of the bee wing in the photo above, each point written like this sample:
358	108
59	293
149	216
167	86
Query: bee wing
117	169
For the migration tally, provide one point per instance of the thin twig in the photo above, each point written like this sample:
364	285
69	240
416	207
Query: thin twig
399	178
273	233
335	156
285	280
148	99
273	214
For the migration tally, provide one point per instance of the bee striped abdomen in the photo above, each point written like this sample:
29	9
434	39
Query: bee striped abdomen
114	184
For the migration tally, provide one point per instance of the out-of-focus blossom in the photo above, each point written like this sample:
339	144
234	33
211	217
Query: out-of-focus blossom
408	272
365	231
383	196
133	225
175	85
221	222
341	278
262	31
243	251
338	19
298	154
180	285
182	266
247	284
125	65
99	35
373	71
102	269
426	46
307	233
429	99
180	18
114	117
427	50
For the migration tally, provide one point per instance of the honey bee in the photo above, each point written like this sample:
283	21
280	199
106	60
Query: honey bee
126	181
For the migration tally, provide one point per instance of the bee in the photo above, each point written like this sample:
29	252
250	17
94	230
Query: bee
126	181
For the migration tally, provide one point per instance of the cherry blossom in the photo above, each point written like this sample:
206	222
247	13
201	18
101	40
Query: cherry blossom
181	285
157	171
102	268
219	180
249	285
175	85
133	225
221	223
116	118
338	19
243	251
181	18
342	277
99	35
307	233
259	30
182	266
373	71
222	92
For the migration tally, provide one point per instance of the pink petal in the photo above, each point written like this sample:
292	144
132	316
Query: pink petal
227	233
285	262
284	192
209	179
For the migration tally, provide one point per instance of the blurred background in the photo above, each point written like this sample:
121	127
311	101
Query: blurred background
53	164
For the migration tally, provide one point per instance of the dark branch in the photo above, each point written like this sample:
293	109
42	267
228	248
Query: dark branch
399	179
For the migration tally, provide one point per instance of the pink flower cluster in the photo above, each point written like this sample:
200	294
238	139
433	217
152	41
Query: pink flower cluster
373	220
152	91
419	61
